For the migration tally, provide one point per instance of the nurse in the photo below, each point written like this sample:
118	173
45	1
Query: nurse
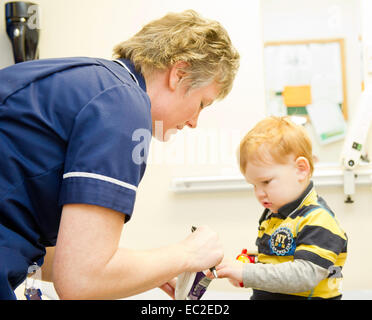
74	137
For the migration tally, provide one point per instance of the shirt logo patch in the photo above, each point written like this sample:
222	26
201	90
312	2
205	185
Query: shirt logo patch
281	242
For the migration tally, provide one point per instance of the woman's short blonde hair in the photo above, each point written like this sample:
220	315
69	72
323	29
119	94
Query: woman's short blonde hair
202	43
275	138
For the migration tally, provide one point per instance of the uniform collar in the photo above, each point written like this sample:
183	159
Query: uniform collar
137	76
291	207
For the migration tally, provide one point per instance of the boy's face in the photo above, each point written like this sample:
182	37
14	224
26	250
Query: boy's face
276	184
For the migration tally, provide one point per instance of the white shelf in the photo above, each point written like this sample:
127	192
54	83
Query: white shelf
324	176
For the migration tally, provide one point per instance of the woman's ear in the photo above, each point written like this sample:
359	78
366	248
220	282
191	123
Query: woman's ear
303	167
177	73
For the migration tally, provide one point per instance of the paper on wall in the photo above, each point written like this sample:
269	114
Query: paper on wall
328	121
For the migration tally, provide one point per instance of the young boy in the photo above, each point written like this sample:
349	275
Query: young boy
301	247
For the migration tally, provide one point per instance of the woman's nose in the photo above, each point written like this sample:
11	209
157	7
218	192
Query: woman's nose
193	122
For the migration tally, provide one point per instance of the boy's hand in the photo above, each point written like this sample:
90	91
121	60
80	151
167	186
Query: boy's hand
230	269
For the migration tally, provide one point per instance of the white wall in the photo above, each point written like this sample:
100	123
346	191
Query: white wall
91	28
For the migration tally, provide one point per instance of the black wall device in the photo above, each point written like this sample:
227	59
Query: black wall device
23	29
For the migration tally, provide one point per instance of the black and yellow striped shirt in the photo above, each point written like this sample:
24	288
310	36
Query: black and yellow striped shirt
305	229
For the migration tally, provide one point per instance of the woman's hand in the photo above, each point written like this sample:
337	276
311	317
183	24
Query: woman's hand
169	288
203	249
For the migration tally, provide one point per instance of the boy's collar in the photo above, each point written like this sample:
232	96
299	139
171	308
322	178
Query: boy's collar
291	207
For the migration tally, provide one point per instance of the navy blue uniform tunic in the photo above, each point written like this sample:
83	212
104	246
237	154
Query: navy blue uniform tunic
72	130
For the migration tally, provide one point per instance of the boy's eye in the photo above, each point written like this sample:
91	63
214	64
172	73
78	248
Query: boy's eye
266	181
201	105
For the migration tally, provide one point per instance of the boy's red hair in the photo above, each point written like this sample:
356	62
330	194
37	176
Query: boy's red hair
275	138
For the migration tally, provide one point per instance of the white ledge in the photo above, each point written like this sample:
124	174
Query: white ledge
325	175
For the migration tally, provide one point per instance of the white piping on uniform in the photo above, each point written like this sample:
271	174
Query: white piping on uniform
99	177
124	65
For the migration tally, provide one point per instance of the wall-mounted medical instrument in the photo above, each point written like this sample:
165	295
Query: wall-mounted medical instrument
23	29
355	142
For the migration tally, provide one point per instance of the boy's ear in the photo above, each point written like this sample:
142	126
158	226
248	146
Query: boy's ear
177	73
303	167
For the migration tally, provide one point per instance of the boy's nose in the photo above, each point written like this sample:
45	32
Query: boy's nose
260	193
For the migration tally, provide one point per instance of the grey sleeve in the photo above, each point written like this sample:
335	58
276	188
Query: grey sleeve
287	277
